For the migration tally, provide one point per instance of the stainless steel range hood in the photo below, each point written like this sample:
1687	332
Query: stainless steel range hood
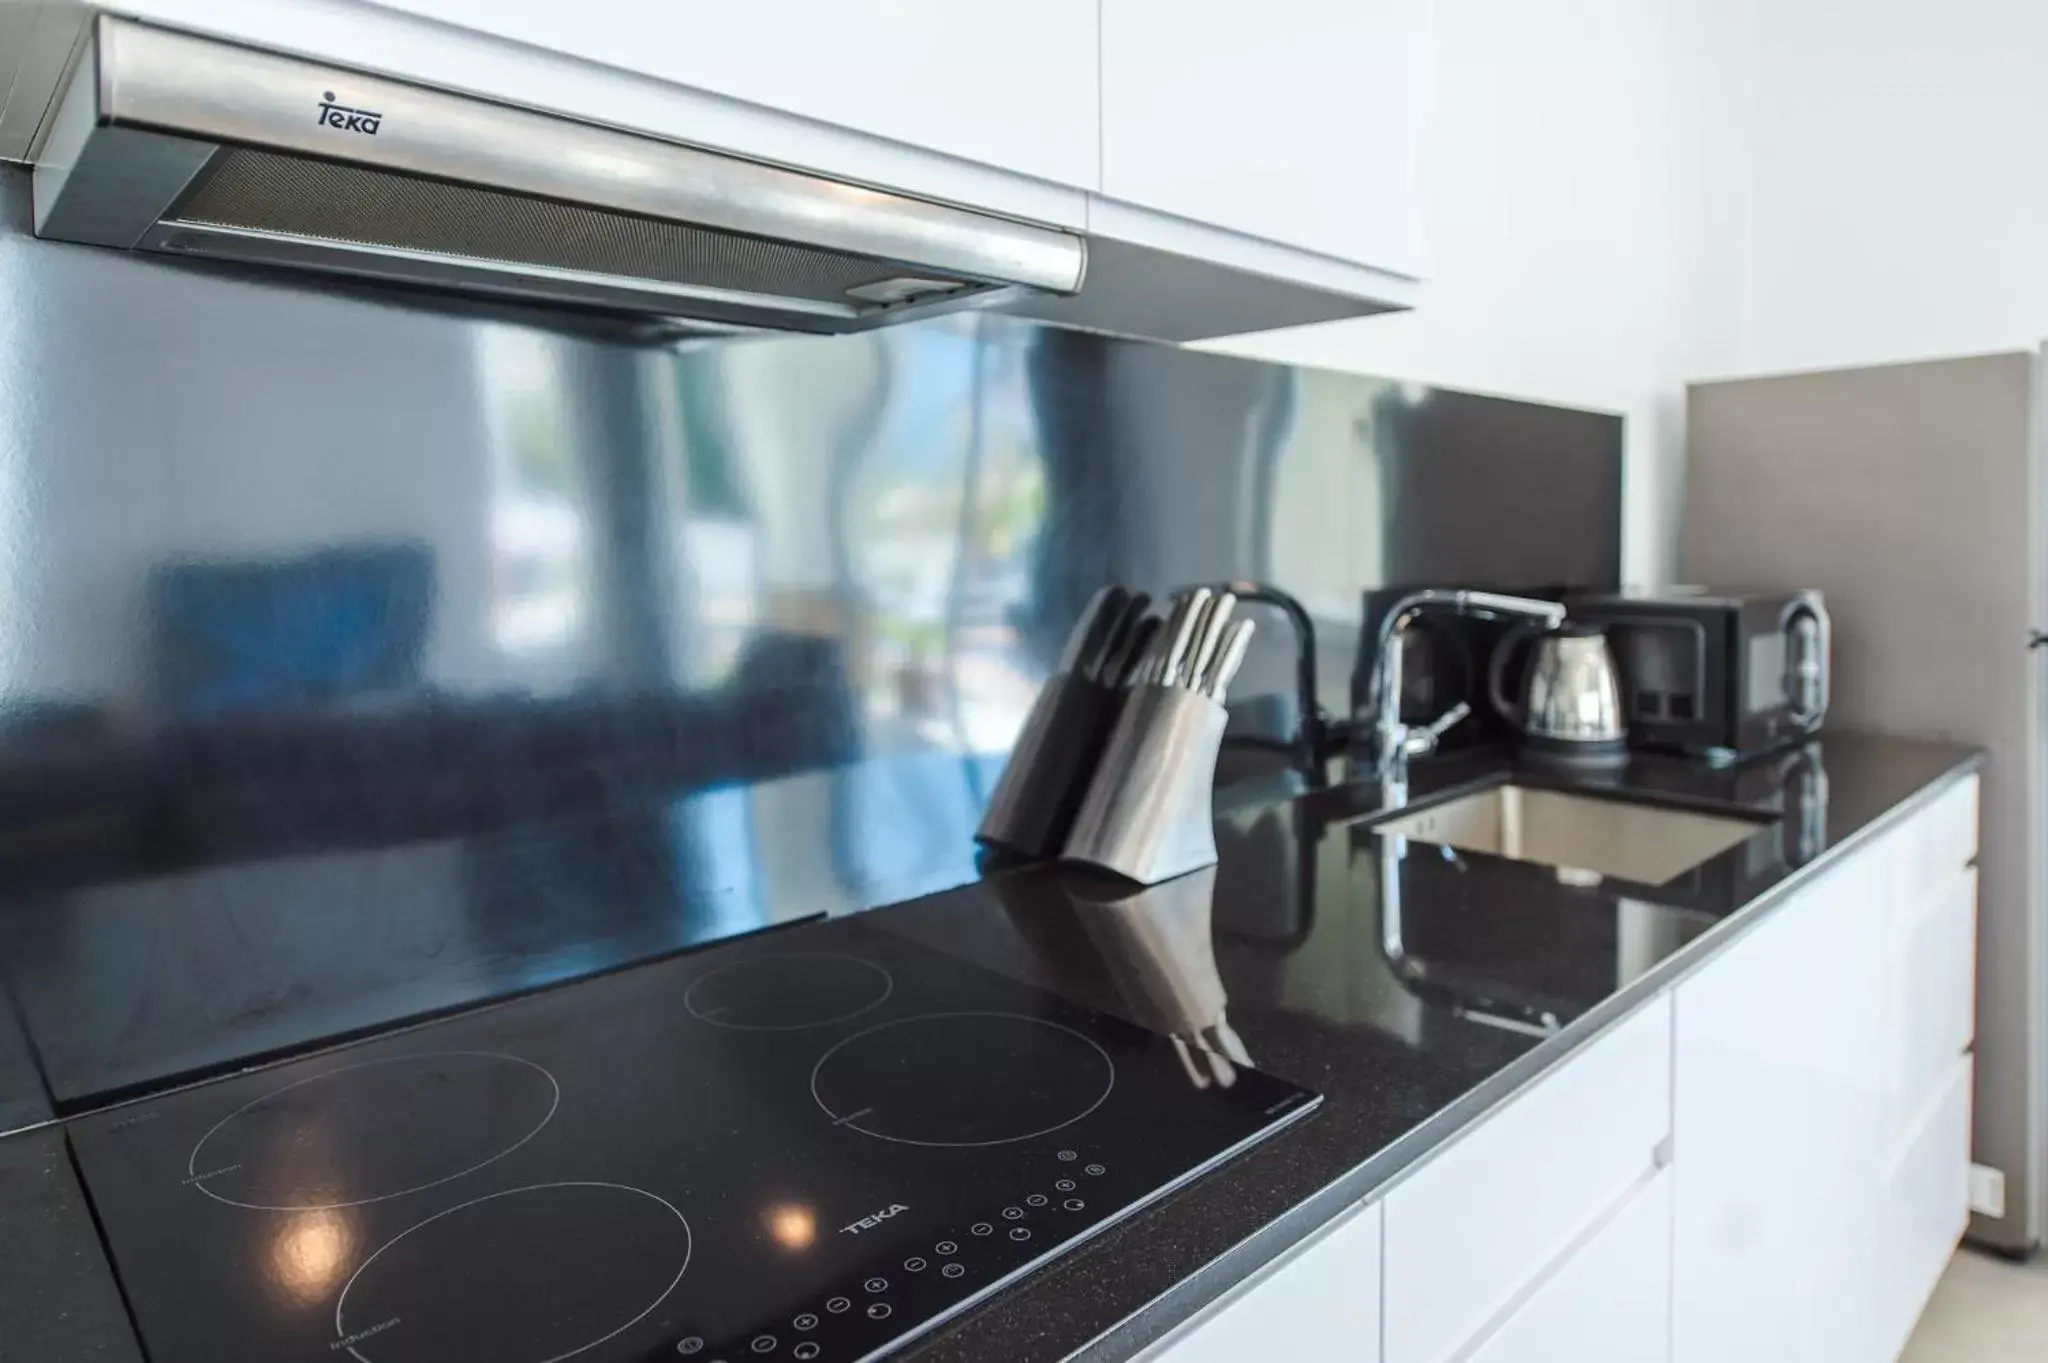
166	142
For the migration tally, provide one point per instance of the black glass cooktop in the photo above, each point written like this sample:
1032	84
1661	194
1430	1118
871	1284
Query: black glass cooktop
812	1146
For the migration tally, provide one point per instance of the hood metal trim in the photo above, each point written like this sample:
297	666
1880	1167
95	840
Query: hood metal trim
149	88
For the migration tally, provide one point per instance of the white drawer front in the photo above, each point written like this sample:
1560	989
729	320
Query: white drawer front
1609	1303
1482	1220
1933	992
1947	830
1926	1205
1322	1303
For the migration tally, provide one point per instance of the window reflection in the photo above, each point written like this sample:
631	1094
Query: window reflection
540	572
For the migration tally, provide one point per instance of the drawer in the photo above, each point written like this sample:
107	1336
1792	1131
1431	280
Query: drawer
1947	830
1926	1204
1932	998
1474	1227
1609	1302
1321	1302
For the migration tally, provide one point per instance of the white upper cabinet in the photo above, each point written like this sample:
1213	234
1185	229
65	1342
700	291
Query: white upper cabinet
1298	121
1008	84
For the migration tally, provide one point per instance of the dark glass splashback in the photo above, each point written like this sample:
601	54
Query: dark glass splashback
362	659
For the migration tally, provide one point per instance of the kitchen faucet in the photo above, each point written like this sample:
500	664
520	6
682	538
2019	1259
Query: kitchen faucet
1394	742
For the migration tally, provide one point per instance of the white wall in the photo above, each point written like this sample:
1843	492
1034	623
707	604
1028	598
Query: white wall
1900	192
1575	165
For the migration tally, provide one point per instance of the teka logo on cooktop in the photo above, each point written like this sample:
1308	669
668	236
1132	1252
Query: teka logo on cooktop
872	1221
334	115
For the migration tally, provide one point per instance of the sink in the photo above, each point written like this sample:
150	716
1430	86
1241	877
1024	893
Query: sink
1647	844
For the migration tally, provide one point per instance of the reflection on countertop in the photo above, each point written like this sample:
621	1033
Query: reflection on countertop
126	985
1411	988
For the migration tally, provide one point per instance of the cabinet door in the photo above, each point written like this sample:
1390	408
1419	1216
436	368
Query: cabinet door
1321	1303
1486	1217
1011	84
1926	1205
1739	1106
1779	1098
1610	1302
1295	120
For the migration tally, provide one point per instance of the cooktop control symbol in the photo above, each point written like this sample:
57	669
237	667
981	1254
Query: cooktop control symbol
876	1284
537	1290
1066	1185
805	1323
981	1228
1068	1157
1095	1171
946	1247
1013	1213
914	1264
879	1311
1035	1200
839	1305
788	993
1019	1234
480	1105
805	1351
1074	1204
954	1270
690	1346
951	1079
763	1344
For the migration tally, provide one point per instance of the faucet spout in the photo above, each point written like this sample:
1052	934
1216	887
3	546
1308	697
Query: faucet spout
1394	742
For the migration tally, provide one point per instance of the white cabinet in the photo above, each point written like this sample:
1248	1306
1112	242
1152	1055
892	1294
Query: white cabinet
1298	121
1821	1131
1322	1303
1926	1205
1609	1302
1010	84
1738	1102
1490	1215
1778	1093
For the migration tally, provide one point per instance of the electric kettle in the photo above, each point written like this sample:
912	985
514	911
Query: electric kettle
1569	709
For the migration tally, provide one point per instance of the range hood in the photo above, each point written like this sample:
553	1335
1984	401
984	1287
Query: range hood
167	142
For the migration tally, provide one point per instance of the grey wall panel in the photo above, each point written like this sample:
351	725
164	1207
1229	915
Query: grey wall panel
1907	493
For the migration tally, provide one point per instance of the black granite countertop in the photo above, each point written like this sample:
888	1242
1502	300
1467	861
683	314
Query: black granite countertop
1402	990
1413	992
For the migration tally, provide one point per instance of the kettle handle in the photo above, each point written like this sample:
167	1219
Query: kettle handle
1497	671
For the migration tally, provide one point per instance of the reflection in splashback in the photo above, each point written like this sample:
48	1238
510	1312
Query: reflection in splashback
361	659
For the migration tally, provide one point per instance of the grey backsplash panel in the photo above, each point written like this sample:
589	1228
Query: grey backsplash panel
363	658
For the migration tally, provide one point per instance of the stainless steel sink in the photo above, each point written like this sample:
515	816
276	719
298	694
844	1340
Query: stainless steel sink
1647	844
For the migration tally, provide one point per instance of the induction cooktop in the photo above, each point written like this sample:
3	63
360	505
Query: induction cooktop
813	1145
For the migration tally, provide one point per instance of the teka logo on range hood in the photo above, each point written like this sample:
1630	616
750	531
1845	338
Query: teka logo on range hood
167	142
334	115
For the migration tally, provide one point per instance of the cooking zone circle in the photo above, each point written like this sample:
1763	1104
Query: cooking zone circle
352	1135
962	1079
528	1275
788	993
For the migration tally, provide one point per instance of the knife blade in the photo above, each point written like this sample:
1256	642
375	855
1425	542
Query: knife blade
1209	637
1223	670
1183	636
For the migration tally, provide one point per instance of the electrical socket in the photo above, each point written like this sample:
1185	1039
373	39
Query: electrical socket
1987	1190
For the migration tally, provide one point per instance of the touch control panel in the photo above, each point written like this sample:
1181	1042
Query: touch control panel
932	1277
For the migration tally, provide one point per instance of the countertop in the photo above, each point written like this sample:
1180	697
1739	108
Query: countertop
1413	992
1321	995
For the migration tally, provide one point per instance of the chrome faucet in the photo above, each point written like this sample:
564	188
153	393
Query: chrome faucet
1394	742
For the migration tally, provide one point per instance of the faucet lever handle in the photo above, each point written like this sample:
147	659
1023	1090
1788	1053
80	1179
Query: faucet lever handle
1424	739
